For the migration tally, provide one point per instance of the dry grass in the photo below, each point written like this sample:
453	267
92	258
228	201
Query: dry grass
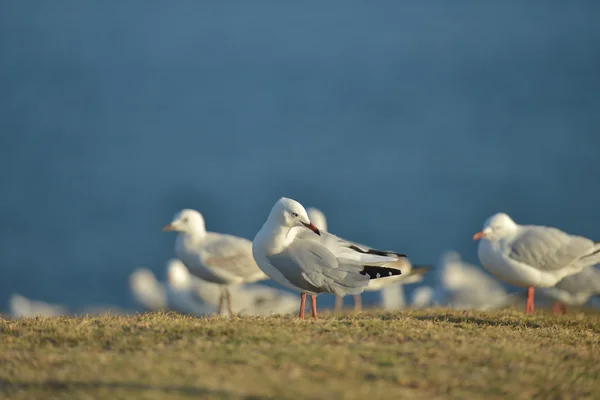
421	354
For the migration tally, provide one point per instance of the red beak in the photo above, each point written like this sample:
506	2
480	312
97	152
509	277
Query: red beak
478	235
312	227
168	228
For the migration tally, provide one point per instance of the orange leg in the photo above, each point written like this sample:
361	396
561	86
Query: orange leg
302	305
357	303
313	300
559	308
556	307
339	303
529	309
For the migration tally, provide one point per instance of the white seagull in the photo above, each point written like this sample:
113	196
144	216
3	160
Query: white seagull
147	291
215	257
154	295
575	290
462	286
532	256
23	307
248	299
465	286
292	251
410	273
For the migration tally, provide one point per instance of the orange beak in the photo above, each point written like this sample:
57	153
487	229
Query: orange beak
312	227
168	228
478	235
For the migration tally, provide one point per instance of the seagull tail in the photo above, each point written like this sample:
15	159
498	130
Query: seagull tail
420	269
593	257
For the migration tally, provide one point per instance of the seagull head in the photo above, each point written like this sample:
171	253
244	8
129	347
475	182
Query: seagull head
178	275
496	227
290	213
186	221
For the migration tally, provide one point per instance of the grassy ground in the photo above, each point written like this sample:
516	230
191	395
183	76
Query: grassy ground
421	354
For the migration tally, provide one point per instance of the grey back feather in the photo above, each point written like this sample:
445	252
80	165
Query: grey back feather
312	267
548	248
231	253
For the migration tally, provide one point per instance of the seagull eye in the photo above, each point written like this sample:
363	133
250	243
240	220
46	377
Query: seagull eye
295	215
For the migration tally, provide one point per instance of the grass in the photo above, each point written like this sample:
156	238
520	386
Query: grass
418	354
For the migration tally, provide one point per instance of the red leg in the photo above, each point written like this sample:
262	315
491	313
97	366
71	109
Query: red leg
313	300
556	308
563	308
529	309
339	303
357	303
302	305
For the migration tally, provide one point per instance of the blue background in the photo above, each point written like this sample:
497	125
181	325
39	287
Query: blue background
407	123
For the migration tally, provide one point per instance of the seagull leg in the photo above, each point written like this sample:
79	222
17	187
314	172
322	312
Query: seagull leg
221	299
559	308
313	300
529	309
563	308
229	301
302	305
357	303
339	302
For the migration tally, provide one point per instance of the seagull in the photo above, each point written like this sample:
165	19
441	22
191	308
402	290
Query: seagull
532	256
23	307
292	251
409	275
461	286
465	286
154	295
575	290
181	288
215	257
248	299
147	291
423	296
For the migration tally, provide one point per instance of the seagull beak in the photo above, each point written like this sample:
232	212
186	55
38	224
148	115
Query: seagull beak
312	227
479	235
168	228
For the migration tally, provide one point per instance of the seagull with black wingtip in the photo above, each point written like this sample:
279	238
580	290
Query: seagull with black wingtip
292	251
410	273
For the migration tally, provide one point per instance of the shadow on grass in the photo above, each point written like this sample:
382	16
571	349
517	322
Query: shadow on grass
479	321
191	391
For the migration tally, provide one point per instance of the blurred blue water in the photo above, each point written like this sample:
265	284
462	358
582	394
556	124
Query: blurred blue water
408	124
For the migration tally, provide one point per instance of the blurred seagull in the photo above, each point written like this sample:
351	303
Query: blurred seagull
532	256
291	250
23	307
154	295
248	299
147	291
461	285
574	290
215	257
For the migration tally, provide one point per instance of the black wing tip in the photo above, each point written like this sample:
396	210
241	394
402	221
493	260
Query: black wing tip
377	252
379	272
